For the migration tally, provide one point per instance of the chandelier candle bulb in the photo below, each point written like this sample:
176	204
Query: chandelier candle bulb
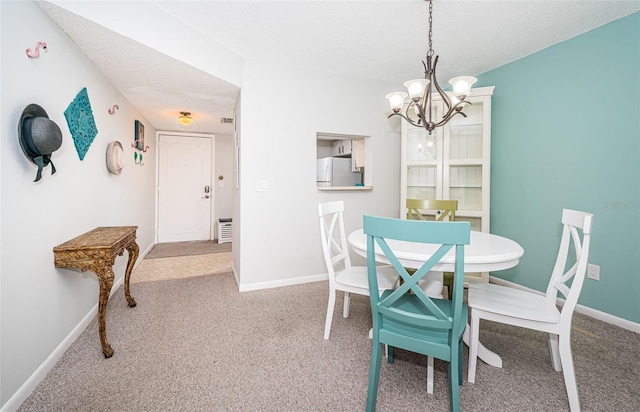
462	86
396	100
416	88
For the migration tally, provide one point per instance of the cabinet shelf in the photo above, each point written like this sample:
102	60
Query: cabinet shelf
419	163
469	126
466	162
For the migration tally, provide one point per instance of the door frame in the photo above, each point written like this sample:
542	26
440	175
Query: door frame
212	137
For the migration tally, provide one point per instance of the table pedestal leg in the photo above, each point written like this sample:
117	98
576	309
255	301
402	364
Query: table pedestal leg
105	277
489	357
133	250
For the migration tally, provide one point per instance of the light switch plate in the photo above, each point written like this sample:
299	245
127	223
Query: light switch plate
262	186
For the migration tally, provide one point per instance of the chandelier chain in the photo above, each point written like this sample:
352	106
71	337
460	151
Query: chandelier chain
430	52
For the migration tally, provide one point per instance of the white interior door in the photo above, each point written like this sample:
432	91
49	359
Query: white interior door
184	188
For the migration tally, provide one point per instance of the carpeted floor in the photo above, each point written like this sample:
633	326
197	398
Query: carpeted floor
177	260
168	268
197	344
165	250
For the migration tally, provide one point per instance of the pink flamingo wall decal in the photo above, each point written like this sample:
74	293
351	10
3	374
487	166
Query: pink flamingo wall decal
36	53
113	109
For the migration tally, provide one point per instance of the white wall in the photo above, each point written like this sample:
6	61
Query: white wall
223	196
282	110
41	307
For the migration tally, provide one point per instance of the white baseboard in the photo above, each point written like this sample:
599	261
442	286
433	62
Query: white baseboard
593	313
235	274
30	384
25	390
283	282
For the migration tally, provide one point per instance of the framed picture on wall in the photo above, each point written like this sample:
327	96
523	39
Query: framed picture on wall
139	135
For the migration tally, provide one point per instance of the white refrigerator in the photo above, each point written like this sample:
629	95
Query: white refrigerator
336	171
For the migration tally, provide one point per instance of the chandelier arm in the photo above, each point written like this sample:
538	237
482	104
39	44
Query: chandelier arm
405	118
445	119
421	117
429	74
461	104
445	97
426	107
457	108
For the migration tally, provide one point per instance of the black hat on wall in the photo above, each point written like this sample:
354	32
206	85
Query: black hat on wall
39	137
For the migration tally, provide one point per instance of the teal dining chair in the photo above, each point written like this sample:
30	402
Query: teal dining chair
406	317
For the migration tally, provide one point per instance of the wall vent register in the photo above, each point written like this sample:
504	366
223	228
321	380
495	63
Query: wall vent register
224	230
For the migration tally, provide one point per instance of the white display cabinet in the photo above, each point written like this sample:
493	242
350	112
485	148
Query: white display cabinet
453	162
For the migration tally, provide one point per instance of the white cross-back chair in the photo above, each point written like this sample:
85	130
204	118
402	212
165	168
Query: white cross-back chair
539	312
342	276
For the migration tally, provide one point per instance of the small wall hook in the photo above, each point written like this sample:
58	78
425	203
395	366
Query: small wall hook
113	109
36	53
137	158
135	146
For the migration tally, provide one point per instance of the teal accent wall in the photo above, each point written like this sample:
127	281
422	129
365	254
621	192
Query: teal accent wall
566	134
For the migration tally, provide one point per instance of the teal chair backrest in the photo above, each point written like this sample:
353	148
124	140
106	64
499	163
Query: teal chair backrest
449	235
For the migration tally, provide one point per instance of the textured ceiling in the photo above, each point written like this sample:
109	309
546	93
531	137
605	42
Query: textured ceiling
373	39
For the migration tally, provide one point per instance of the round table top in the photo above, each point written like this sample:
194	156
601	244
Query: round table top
485	253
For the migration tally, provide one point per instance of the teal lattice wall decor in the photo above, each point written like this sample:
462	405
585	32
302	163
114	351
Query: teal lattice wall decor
81	123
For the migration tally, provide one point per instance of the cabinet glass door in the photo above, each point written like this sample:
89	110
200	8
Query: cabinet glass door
423	164
464	152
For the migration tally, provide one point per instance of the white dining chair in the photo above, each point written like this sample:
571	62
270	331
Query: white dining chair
342	275
536	311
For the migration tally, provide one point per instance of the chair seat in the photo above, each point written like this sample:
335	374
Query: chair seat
412	304
356	277
512	302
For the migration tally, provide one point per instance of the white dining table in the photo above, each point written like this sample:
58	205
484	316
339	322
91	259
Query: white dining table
486	252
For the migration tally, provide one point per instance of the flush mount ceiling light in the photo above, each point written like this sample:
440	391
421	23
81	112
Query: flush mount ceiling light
185	119
418	111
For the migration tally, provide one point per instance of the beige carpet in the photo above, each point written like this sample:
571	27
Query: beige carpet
199	345
150	270
171	249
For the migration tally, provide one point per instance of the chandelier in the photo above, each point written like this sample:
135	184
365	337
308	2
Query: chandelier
418	111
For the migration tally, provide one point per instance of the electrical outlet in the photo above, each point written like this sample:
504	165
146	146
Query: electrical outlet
593	271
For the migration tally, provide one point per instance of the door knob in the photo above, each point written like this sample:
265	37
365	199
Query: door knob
205	197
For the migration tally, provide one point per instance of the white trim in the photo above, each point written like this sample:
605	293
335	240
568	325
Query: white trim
235	274
283	282
593	313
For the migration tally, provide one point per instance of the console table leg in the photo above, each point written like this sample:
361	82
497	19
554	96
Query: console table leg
133	250
105	277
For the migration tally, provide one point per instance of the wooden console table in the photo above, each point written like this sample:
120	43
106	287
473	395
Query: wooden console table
96	250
